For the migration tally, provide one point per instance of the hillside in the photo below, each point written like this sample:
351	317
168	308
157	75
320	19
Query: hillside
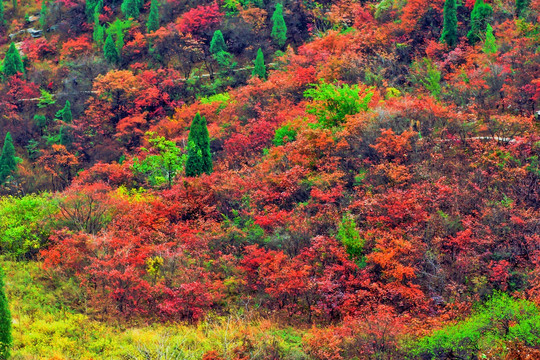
252	179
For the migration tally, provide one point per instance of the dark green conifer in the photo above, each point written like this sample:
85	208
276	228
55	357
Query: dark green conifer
217	44
93	6
480	16
2	19
199	158
110	52
130	9
218	48
521	6
65	113
12	62
259	69
153	17
279	29
15	4
449	33
5	322
8	160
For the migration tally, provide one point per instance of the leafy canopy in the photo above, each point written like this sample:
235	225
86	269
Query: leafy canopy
332	103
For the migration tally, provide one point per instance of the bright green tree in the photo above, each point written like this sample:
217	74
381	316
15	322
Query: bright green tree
5	321
12	62
130	9
99	30
43	14
490	45
110	52
161	168
153	17
350	238
65	113
480	16
199	159
259	69
449	33
279	30
8	160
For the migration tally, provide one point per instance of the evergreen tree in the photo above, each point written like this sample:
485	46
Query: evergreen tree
479	21
490	46
279	30
449	33
199	158
130	9
5	321
15	4
8	160
65	113
99	30
93	6
521	6
109	51
260	68
43	14
217	44
153	17
12	62
218	48
2	19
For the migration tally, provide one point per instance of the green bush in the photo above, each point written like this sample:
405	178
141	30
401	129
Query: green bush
332	103
499	320
284	135
25	224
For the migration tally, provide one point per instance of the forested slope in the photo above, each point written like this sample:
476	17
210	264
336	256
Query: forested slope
271	180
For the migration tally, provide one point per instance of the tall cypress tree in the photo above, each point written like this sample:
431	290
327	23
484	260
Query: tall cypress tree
217	44
199	158
65	113
109	51
521	5
153	17
15	4
259	69
130	9
490	46
449	33
8	160
479	20
5	321
218	49
279	29
99	30
12	62
43	14
2	19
